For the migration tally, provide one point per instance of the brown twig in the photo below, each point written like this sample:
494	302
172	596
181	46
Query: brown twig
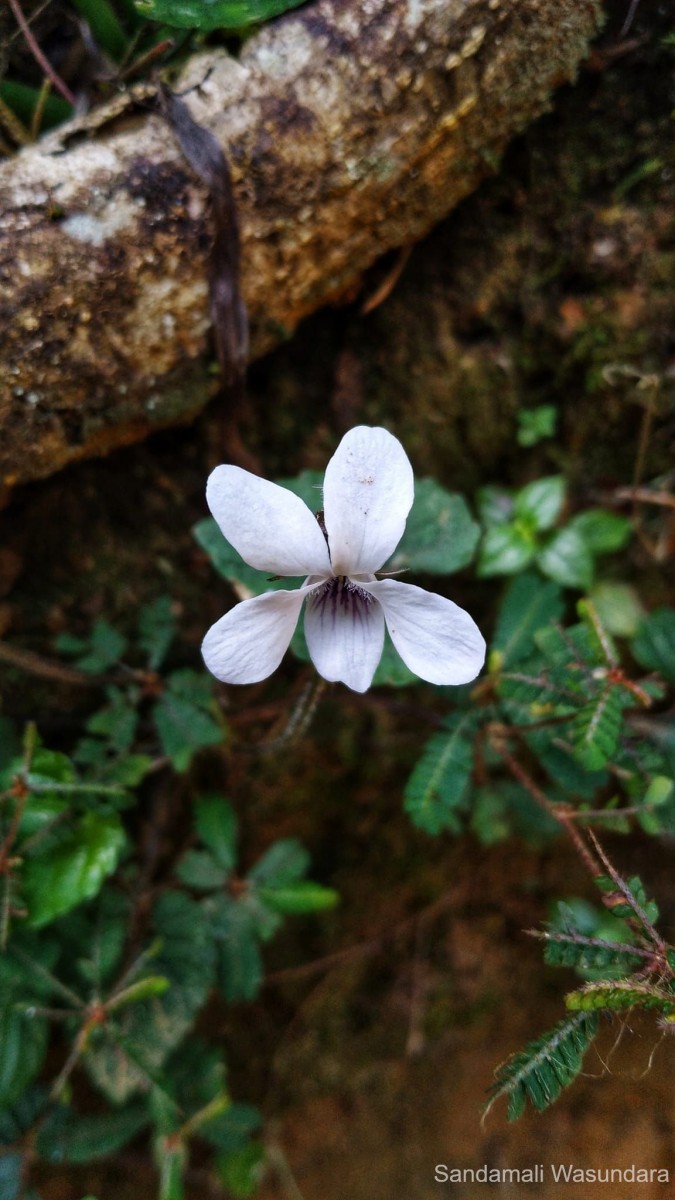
48	668
38	54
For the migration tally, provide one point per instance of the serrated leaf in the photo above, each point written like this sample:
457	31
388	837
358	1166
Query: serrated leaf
53	883
183	720
440	535
117	722
505	550
567	559
541	502
156	630
437	790
105	648
529	604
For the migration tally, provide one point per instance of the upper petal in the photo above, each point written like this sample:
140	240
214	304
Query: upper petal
367	495
249	642
344	628
269	526
436	639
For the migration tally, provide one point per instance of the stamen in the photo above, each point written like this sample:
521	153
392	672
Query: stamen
340	595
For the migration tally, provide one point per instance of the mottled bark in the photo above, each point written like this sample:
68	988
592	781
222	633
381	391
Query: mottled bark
351	126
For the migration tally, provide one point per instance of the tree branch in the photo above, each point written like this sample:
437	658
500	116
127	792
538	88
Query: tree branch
351	127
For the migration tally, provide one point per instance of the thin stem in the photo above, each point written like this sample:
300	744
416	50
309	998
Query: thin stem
38	54
300	719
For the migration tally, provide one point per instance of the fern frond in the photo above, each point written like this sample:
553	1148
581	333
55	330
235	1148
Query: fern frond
596	729
437	789
588	953
620	994
546	1066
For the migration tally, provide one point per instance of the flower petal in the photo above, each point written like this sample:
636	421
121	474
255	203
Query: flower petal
249	642
269	526
367	495
436	639
344	628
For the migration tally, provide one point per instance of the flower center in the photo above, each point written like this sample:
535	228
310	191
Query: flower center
340	596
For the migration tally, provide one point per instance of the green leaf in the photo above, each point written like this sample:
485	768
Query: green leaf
620	994
282	863
216	825
156	630
301	897
207	15
241	1170
72	1137
231	565
53	883
618	607
440	535
495	505
105	27
105	648
602	531
183	719
528	605
133	1046
505	550
240	968
117	722
438	787
198	869
23	1037
636	889
540	503
567	559
535	424
654	646
391	670
24	101
308	485
546	1066
596	728
231	1130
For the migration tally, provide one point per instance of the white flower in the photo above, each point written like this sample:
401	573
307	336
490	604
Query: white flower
367	495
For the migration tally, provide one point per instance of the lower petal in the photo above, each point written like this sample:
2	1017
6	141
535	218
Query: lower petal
249	642
436	639
344	628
